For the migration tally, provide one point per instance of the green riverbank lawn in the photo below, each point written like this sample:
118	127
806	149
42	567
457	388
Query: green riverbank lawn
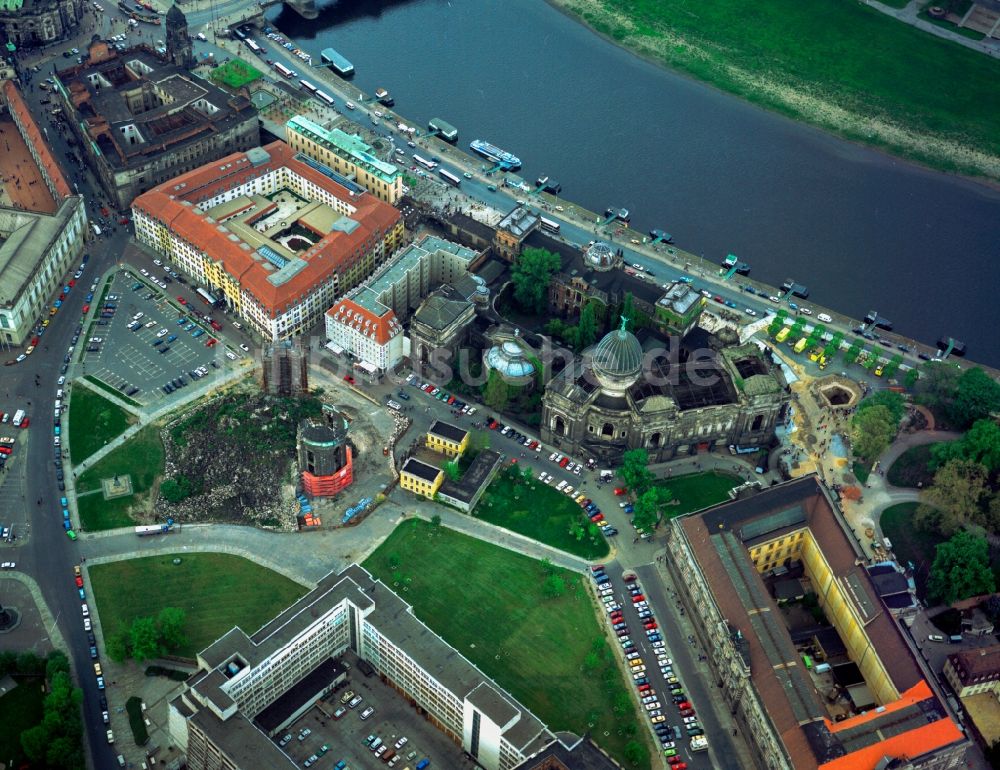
843	66
495	607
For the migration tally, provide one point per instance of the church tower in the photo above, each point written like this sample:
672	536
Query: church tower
178	41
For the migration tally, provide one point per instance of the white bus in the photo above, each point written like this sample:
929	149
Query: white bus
18	418
206	297
308	86
428	164
548	224
325	97
450	178
252	45
152	529
282	70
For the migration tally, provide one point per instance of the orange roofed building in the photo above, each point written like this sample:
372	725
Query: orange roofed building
279	236
869	706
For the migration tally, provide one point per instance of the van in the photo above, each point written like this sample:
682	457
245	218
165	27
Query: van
955	638
97	230
935	638
395	405
825	318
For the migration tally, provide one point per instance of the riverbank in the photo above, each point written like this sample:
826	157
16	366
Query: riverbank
843	67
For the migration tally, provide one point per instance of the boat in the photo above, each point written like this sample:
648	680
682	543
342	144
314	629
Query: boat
489	151
443	129
730	261
384	98
339	64
621	215
795	288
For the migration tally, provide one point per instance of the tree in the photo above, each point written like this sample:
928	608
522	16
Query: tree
592	661
451	470
635	752
587	330
554	586
872	430
959	490
981	444
634	470
937	384
891	400
622	703
171	622
961	569
436	520
177	489
144	638
496	392
977	396
29	664
116	646
531	275
648	507
57	662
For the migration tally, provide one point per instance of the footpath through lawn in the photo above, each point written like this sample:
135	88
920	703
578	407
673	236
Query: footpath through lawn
499	609
93	422
217	591
695	491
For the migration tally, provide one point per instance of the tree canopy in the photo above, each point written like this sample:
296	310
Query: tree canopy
977	396
532	273
496	392
961	569
634	471
980	444
872	430
891	400
958	492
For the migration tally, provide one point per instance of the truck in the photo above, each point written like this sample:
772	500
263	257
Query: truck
698	743
800	345
783	334
153	529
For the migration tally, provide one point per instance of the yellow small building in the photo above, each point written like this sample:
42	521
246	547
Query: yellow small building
420	478
447	439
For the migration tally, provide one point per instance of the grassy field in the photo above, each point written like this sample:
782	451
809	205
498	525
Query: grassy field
843	66
695	491
93	422
217	591
912	467
538	650
235	73
142	458
538	511
21	709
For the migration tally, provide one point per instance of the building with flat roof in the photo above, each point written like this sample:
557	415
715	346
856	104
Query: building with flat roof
346	154
42	231
465	493
971	672
512	230
447	439
221	719
271	232
142	121
722	559
420	478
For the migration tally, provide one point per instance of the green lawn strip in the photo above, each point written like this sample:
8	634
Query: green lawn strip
695	491
489	604
538	511
217	591
846	54
861	471
108	389
912	467
21	709
141	457
135	720
93	422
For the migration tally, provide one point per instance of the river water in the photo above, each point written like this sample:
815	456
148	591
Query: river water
864	231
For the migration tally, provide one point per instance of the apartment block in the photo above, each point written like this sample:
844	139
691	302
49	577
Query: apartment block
420	478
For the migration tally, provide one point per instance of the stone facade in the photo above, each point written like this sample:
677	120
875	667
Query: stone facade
583	416
42	22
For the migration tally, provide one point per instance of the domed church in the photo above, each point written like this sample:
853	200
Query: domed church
624	394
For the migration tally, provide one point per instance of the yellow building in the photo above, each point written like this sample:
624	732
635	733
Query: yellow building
447	439
346	154
420	478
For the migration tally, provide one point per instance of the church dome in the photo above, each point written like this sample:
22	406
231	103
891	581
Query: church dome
617	360
510	360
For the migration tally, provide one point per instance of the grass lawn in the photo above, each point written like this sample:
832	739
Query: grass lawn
93	422
909	543
813	60
235	73
862	471
142	458
912	467
217	591
535	509
695	491
21	709
537	651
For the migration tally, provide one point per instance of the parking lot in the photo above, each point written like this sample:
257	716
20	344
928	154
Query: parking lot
392	720
148	343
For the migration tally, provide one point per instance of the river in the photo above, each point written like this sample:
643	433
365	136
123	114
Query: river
863	230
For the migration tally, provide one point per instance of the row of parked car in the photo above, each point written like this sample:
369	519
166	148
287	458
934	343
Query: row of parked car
391	755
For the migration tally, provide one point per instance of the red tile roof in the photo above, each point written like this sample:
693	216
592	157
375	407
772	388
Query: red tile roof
34	138
382	327
336	252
